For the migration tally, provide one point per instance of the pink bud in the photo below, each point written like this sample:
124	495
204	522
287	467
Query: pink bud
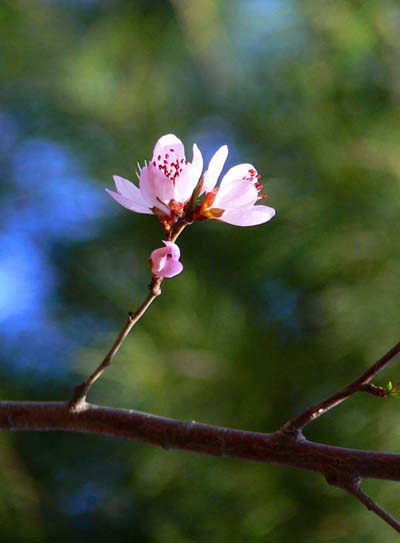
165	261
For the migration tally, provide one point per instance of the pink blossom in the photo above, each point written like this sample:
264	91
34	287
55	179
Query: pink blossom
165	184
174	189
233	201
165	261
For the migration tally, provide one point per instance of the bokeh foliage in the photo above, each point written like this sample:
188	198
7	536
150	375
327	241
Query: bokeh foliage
263	320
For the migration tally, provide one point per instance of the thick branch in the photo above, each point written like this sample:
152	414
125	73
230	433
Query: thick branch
275	448
298	423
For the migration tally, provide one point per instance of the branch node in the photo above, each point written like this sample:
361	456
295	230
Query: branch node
374	390
347	481
78	402
291	431
155	285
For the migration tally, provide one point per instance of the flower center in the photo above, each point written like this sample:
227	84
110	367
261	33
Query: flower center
169	165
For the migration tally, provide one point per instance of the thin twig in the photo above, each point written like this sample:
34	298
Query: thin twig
78	401
296	424
371	505
80	392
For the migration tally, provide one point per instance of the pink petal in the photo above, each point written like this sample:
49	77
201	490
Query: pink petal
188	178
127	203
158	259
185	184
156	189
130	191
236	194
215	168
172	268
197	161
248	216
170	145
240	171
173	249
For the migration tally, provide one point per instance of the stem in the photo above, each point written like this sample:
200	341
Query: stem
78	401
177	231
296	424
371	505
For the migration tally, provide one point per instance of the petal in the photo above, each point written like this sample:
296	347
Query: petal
215	168
156	189
173	249
241	171
188	178
130	191
185	184
197	161
172	268
128	204
169	144
158	259
236	194
248	216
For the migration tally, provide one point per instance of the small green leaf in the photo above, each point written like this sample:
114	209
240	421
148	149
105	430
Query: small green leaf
393	390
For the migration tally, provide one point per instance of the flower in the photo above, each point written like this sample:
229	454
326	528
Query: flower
165	261
165	184
174	189
233	201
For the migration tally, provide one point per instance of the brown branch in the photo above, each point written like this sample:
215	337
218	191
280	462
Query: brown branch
273	448
296	424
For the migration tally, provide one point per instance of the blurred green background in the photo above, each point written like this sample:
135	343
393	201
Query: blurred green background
262	322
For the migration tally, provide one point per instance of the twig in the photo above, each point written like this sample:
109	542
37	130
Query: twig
296	424
371	505
80	392
78	401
